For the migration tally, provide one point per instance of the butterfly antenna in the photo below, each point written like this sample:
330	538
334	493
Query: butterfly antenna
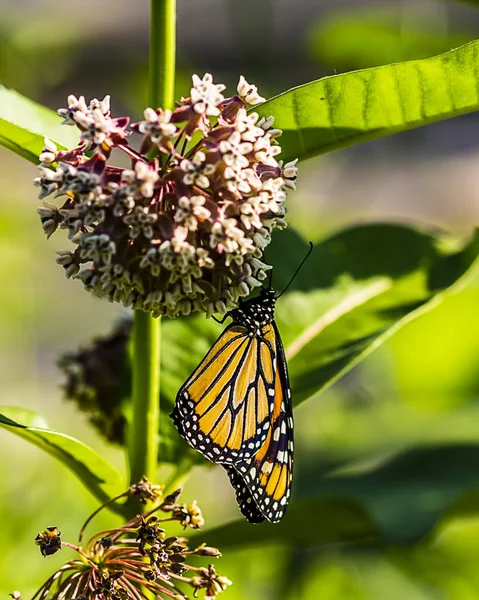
297	270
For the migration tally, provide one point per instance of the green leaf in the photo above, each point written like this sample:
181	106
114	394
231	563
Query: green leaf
24	124
398	500
94	472
355	290
346	109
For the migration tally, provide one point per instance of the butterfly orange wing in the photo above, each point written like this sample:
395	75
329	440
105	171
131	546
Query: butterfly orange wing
263	483
224	409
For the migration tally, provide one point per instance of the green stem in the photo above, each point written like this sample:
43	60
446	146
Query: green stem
162	53
143	435
143	439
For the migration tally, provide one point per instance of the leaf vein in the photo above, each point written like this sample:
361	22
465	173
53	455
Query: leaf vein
297	123
338	311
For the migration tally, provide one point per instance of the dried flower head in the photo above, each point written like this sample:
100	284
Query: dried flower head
184	229
49	541
210	580
133	562
146	491
189	515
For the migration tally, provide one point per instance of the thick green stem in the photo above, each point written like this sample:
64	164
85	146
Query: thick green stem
143	435
143	442
162	53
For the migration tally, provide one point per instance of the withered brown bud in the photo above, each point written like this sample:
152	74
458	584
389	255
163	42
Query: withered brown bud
147	491
170	501
49	541
207	551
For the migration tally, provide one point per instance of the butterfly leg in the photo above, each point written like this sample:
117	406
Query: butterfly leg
220	321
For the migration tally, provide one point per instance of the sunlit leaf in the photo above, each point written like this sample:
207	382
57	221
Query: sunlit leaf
446	376
346	109
93	470
24	124
355	290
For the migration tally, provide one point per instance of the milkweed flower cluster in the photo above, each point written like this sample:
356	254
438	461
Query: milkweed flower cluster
183	229
136	561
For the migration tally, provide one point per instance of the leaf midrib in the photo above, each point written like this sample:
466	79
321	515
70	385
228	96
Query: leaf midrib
346	306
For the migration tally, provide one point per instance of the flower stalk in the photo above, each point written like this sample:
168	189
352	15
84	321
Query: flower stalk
162	53
143	442
143	433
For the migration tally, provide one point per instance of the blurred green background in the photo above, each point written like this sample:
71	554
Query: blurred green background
421	387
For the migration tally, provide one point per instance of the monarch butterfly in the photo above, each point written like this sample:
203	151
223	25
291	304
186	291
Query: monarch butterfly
236	408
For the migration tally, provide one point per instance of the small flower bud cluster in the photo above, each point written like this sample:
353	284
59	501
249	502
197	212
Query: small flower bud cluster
95	380
183	229
136	561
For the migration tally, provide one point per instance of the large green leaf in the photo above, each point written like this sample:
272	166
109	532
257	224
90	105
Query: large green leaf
346	109
356	289
93	470
397	500
307	523
24	124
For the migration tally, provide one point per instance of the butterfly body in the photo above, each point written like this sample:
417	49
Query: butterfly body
256	313
236	409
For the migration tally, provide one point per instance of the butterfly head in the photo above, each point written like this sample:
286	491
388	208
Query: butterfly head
268	295
256	312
